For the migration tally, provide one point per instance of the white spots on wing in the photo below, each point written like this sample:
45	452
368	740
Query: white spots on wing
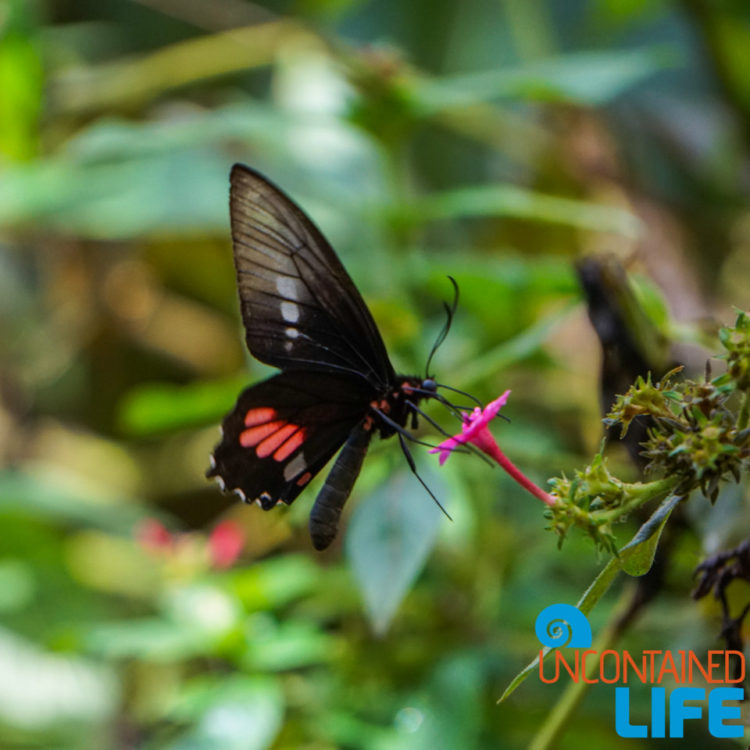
294	467
291	334
290	312
286	287
242	496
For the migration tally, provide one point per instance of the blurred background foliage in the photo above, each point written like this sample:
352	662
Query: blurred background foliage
497	142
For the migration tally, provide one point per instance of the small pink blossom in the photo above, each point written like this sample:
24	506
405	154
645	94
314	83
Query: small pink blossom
225	544
475	430
153	535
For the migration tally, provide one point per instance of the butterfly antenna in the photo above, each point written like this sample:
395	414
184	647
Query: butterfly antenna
427	418
410	460
450	311
460	392
440	399
452	408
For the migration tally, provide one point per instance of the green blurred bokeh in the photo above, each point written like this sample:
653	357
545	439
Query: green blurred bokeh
495	142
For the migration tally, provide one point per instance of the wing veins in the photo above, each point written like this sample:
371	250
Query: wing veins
346	339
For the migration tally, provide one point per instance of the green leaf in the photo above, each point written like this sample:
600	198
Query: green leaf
389	537
289	645
275	582
124	179
233	713
57	495
637	556
156	640
17	585
592	78
509	200
514	350
39	688
21	81
159	407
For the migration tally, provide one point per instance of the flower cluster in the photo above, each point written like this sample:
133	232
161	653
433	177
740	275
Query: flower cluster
698	438
736	342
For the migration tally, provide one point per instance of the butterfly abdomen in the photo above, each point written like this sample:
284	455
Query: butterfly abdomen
326	512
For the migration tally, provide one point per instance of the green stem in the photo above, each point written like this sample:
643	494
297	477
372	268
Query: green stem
638	494
494	450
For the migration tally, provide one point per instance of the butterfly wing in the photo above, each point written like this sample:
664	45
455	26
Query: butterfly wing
299	306
283	431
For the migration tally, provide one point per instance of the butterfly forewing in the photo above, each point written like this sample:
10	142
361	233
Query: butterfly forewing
299	306
282	432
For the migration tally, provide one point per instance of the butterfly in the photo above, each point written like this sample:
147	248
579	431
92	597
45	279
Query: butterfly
337	387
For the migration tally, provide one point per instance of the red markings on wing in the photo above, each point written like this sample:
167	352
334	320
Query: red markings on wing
255	435
269	435
290	445
272	442
261	415
279	438
304	479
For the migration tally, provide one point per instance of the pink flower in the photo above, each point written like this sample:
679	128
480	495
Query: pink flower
153	535
225	544
221	549
475	430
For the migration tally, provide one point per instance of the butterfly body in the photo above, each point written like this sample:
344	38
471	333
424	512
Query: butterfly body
337	387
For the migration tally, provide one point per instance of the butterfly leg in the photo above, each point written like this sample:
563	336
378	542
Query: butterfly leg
325	513
410	460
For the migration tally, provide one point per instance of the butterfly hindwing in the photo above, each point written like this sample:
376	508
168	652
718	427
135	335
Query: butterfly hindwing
283	431
299	306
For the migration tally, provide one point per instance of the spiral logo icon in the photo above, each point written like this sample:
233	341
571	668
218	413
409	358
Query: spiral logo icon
563	625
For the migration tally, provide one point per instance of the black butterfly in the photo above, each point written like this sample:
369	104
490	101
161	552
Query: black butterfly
303	314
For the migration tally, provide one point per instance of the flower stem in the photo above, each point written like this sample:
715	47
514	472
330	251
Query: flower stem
639	494
522	479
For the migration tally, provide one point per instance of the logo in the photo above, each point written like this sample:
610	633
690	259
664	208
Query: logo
562	626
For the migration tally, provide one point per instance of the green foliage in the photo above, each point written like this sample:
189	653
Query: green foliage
493	143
